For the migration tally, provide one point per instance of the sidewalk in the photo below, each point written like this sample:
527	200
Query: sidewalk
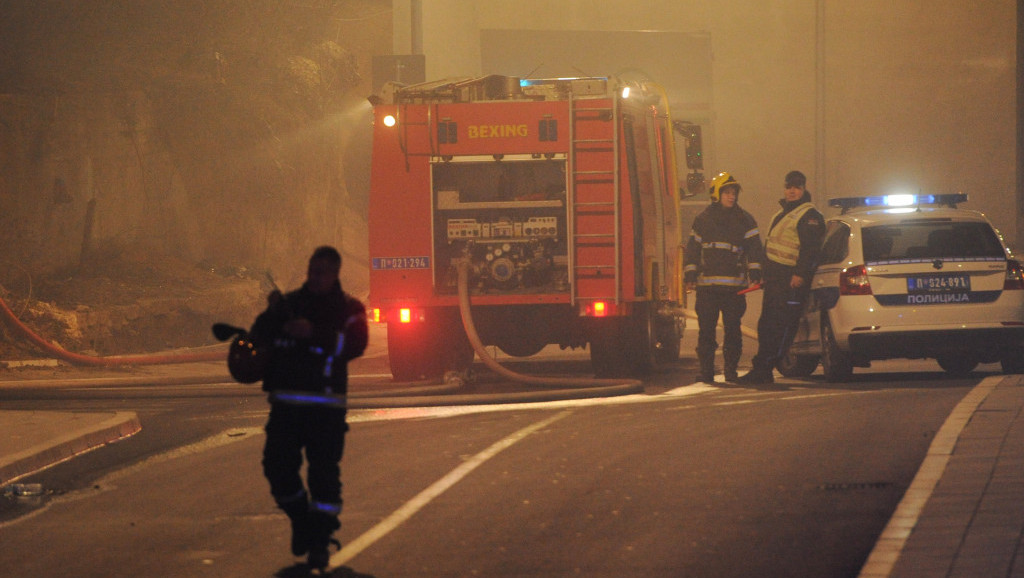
963	515
34	440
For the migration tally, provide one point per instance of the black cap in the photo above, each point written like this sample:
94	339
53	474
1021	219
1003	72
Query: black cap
795	179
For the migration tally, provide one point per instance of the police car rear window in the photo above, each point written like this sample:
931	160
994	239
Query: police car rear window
927	240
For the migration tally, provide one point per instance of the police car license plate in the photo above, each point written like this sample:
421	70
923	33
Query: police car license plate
942	283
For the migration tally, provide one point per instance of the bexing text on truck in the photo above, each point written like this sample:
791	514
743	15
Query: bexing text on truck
553	203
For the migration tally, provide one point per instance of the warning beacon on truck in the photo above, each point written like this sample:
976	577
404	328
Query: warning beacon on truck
558	199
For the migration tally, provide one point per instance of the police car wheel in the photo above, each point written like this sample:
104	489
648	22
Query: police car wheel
791	365
1013	362
957	364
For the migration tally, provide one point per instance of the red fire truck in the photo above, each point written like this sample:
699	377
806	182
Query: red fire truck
561	196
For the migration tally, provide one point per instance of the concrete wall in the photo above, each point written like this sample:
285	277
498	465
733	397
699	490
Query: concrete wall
234	135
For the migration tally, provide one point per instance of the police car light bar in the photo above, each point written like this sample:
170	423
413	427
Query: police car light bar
901	200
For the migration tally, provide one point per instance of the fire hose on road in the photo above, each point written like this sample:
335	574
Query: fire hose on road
572	386
110	361
603	386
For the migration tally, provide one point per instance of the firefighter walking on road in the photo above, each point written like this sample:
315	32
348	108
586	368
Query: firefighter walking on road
792	248
312	333
723	254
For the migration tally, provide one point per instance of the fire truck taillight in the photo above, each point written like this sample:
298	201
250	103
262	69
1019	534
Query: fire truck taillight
598	309
389	120
404	315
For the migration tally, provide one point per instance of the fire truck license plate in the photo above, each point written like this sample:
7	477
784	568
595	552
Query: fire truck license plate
401	262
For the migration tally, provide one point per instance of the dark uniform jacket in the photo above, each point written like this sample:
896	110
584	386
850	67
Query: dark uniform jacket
724	249
318	364
811	230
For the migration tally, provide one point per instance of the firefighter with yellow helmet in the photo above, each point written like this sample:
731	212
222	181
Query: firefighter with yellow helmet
793	250
723	255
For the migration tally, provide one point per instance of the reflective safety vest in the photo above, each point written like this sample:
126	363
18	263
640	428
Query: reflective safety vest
783	242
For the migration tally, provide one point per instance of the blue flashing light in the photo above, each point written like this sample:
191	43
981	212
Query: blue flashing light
524	82
898	200
907	200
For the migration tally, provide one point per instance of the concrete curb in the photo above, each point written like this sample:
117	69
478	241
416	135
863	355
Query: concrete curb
79	433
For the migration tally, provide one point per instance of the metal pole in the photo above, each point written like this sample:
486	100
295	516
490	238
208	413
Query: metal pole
416	26
1019	241
820	167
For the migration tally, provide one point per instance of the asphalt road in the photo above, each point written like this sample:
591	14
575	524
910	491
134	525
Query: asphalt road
680	481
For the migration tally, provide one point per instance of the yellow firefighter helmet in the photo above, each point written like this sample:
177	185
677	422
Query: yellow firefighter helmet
246	362
720	182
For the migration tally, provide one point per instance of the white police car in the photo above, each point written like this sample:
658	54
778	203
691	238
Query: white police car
910	276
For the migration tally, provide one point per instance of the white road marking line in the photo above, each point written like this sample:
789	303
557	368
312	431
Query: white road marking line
352	549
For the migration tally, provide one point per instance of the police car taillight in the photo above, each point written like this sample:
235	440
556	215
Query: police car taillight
1014	276
854	281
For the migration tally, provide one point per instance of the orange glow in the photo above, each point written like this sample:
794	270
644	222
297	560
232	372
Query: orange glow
375	315
599	309
404	315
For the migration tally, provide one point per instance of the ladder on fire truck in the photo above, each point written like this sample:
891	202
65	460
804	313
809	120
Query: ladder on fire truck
593	199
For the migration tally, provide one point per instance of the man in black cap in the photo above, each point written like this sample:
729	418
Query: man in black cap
792	248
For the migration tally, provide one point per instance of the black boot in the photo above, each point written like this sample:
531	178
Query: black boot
707	368
322	527
757	377
298	513
730	356
731	362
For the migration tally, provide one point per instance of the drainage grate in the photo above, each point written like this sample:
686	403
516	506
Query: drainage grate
855	486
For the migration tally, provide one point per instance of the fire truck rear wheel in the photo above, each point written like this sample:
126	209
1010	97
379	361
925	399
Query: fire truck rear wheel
644	343
429	349
409	354
626	346
669	339
607	355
